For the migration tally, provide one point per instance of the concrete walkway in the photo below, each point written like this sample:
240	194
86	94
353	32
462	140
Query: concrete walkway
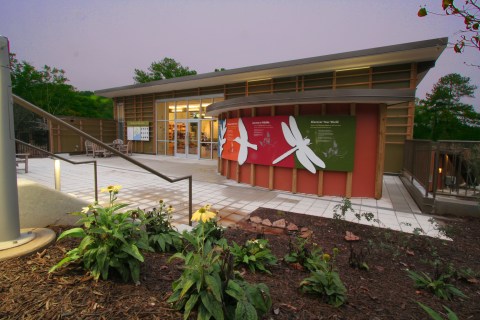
395	210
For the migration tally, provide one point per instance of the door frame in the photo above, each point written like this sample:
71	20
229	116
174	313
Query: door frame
186	154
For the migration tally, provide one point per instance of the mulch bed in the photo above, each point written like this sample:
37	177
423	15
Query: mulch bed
27	291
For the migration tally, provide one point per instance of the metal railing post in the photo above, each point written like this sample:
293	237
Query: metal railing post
95	179
190	209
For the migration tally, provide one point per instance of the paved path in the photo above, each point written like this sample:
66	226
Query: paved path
395	210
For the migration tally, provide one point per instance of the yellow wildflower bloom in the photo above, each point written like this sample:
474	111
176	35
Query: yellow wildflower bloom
85	209
114	189
203	214
326	257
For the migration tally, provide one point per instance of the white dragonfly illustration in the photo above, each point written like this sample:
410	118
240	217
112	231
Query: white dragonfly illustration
243	142
222	140
300	146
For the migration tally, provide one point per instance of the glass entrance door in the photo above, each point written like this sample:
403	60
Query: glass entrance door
186	138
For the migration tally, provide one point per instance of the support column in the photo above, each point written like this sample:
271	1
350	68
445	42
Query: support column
9	213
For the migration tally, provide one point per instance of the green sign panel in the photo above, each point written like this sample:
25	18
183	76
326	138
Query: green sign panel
332	139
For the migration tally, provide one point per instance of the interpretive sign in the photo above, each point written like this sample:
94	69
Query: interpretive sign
307	142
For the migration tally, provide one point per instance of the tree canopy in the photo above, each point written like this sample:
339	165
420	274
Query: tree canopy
165	69
469	11
48	88
443	116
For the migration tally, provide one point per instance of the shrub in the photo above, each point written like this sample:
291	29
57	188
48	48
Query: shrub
301	253
438	286
111	240
161	234
254	254
209	286
326	282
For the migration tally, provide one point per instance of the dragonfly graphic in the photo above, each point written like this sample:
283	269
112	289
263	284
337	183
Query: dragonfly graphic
300	146
222	140
243	142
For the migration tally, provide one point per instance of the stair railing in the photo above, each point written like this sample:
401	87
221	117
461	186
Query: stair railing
33	108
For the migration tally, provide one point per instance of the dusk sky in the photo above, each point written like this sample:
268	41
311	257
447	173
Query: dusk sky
100	43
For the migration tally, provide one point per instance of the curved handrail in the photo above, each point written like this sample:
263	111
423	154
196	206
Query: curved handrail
33	108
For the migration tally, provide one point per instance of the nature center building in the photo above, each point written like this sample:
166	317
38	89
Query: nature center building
327	125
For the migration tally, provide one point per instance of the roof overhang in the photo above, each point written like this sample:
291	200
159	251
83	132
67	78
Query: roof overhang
420	51
364	96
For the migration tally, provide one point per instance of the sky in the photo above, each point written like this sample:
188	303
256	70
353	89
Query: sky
99	43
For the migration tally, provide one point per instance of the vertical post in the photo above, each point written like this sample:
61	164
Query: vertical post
96	180
56	173
9	213
190	209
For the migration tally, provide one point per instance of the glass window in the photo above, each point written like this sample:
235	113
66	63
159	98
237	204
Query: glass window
181	107
171	110
194	109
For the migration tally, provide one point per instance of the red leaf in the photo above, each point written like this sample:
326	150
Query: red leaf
422	12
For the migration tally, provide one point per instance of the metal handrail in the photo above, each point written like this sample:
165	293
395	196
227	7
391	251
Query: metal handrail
69	161
33	108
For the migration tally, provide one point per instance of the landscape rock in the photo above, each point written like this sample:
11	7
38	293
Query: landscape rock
349	236
306	234
281	223
267	222
292	227
256	219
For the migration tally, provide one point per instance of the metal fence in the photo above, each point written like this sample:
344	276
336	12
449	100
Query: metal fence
447	168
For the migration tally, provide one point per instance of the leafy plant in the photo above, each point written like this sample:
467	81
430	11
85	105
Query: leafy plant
308	256
111	240
439	286
209	286
208	230
326	282
357	259
161	234
341	209
435	315
254	254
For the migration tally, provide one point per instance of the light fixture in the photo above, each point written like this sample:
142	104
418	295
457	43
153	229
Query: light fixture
262	79
440	170
56	165
350	69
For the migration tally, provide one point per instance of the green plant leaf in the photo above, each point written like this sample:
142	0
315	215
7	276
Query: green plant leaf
86	241
245	310
71	256
72	233
187	284
234	290
190	305
212	305
215	286
132	250
432	313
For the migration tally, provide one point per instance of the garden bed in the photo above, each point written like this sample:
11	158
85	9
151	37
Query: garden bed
385	291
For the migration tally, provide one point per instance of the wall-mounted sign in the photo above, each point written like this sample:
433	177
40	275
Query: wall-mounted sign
307	142
138	130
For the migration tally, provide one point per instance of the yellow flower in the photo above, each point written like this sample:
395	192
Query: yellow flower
85	209
114	189
326	257
203	214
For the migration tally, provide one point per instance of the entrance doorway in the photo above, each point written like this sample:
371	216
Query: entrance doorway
186	138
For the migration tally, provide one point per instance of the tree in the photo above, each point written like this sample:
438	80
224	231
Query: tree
165	69
48	89
442	115
470	13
